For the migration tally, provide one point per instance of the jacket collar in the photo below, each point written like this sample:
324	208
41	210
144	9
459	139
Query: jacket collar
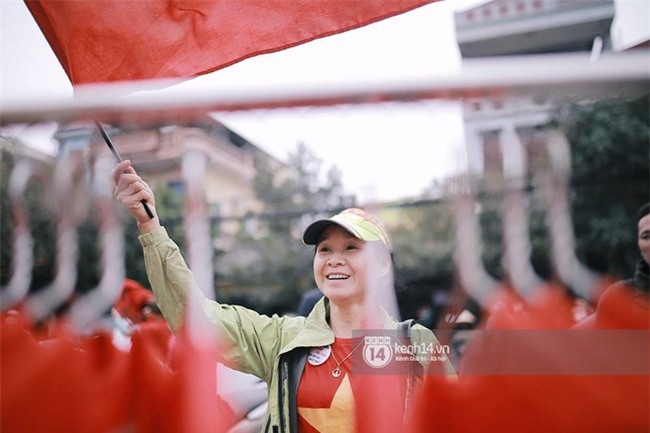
317	331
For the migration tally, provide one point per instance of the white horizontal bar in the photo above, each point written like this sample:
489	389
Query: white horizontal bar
552	76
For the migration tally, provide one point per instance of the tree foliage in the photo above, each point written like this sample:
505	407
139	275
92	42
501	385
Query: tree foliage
423	242
41	222
610	150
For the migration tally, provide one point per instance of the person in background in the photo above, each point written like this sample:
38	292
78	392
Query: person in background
136	311
306	361
308	300
136	303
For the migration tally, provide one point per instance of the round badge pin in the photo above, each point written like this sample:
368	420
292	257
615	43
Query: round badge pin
319	355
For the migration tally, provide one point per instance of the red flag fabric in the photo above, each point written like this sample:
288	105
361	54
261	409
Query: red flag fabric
115	40
604	394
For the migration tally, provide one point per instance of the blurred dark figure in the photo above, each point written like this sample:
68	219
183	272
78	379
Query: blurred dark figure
431	314
464	325
308	300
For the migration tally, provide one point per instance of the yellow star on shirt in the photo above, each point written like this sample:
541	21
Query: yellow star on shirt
339	417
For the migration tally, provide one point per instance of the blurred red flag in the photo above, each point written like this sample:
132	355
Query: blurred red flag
115	40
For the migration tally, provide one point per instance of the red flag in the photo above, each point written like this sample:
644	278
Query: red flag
605	389
116	40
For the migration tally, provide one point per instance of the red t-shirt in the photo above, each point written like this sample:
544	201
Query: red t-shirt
326	403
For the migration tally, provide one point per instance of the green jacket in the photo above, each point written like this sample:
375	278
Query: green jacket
273	348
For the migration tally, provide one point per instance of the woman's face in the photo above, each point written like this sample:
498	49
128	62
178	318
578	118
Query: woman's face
341	266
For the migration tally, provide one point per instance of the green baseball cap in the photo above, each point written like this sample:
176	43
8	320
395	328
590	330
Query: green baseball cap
360	223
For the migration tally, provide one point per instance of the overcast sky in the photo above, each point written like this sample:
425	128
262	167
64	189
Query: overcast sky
384	152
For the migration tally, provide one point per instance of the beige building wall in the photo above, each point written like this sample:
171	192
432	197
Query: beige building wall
157	154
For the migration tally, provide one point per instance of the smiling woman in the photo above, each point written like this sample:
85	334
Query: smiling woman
352	262
306	362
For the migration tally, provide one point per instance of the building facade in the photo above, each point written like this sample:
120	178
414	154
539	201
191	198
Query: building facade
157	154
502	135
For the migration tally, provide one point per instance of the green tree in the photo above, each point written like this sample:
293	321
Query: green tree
41	221
423	242
610	150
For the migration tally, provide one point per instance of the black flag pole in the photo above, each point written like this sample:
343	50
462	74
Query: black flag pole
110	145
